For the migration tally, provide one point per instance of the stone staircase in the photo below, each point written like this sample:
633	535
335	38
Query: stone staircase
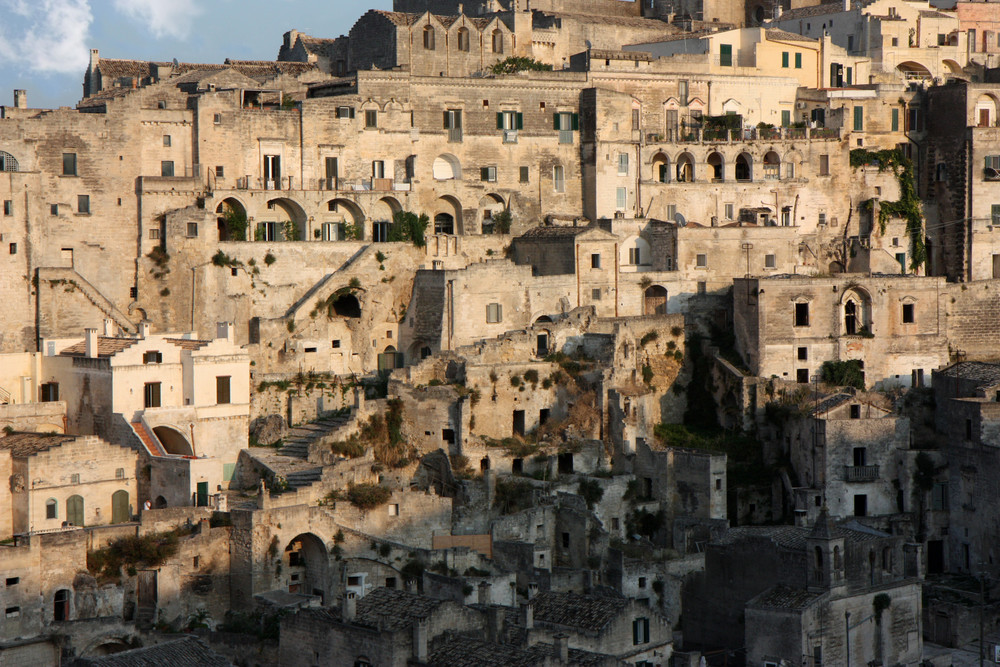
148	440
300	478
299	438
91	293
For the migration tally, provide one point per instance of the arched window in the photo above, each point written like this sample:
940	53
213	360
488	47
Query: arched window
744	167
7	162
429	37
717	164
74	510
463	39
51	509
772	166
60	605
685	168
857	313
836	558
497	41
661	168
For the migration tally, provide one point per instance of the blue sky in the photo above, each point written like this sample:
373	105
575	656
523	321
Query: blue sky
45	44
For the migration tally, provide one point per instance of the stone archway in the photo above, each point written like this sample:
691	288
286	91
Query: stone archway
308	563
231	220
173	441
654	300
284	220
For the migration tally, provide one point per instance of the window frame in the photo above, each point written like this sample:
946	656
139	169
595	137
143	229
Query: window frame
494	313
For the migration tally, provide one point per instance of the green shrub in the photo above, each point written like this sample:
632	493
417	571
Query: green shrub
368	496
269	259
843	373
591	491
150	550
648	338
407	226
515	64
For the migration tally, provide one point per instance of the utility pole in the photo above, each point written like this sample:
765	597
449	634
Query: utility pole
847	637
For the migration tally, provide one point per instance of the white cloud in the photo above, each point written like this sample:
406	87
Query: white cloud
46	35
163	18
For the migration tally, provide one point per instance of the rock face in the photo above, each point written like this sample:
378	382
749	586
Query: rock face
268	430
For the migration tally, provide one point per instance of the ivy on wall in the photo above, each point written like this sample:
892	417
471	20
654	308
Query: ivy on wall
907	207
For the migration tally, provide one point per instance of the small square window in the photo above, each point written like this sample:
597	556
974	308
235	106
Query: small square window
769	261
855	411
595	260
13	581
524	174
394	509
13	612
152	357
730	210
217	119
235	272
154	234
166	140
595	294
701	261
54	209
494	313
74	478
907	313
335	344
192	230
220	171
802	375
13	248
642	582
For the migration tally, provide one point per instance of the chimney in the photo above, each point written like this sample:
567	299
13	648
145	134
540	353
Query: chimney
484	592
494	625
528	615
109	328
90	335
224	330
350	609
144	329
532	590
420	639
20	99
561	643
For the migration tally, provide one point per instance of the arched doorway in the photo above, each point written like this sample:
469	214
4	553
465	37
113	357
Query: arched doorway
308	566
857	312
744	167
489	206
383	214
284	220
913	71
160	502
390	359
343	221
685	168
717	165
173	441
74	511
661	168
119	507
232	220
986	111
654	300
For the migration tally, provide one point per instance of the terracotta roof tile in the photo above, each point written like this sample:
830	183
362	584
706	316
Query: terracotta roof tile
29	444
185	652
188	344
587	612
106	347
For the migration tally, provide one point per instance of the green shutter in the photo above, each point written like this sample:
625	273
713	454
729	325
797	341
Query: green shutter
576	121
484	173
520	120
850	76
784	58
786	118
555	122
798	61
895	120
446	121
499	120
859	119
726	55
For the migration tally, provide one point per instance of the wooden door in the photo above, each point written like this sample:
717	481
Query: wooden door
119	507
74	510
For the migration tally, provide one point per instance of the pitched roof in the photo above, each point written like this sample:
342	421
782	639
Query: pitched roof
785	36
394	609
815	10
188	344
586	612
106	347
462	651
794	537
987	374
559	232
784	597
184	652
29	444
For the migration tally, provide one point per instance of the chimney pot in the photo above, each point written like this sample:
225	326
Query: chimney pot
145	328
420	639
109	328
90	336
350	609
528	615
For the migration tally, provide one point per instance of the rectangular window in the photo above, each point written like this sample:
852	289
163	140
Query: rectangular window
803	353
701	261
69	164
12	248
802	375
595	294
730	211
566	123
786	117
12	612
154	234
640	631
595	260
494	313
345	112
8	207
217	119
785	59
824	165
992	169
453	124
220	171
558	178
394	509
371	119
726	55
634	256
798	61
74	478
822	220
802	314
524	174
151	395
621	195
488	174
166	140
83	203
895	120
769	261
623	164
378	169
222	384
859	119
939	497
152	357
119	473
671	212
50	392
995	215
682	96
908	313
167	169
192	230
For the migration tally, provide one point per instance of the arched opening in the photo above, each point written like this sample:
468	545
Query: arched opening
284	220
543	319
429	37
448	207
635	253
716	164
497	41
913	71
772	166
953	67
60	605
231	220
489	206
463	39
661	168
744	167
173	441
685	168
160	502
986	111
107	647
447	167
120	512
343	220
74	511
654	300
347	305
308	566
8	162
383	214
389	359
420	350
857	312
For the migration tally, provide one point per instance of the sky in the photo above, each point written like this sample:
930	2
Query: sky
45	44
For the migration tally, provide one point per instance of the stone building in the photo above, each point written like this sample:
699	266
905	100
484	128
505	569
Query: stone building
793	585
64	480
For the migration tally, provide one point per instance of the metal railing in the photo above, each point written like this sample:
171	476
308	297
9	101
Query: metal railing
861	473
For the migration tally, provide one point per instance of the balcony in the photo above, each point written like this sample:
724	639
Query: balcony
510	136
699	135
861	473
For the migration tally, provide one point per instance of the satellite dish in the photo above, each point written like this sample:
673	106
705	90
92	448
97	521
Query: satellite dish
679	219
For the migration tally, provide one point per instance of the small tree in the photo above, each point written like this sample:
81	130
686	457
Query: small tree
236	223
591	491
407	226
515	64
502	221
843	373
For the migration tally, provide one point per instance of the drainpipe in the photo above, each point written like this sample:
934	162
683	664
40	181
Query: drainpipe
193	300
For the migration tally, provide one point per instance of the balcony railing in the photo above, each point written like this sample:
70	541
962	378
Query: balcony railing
697	135
861	473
